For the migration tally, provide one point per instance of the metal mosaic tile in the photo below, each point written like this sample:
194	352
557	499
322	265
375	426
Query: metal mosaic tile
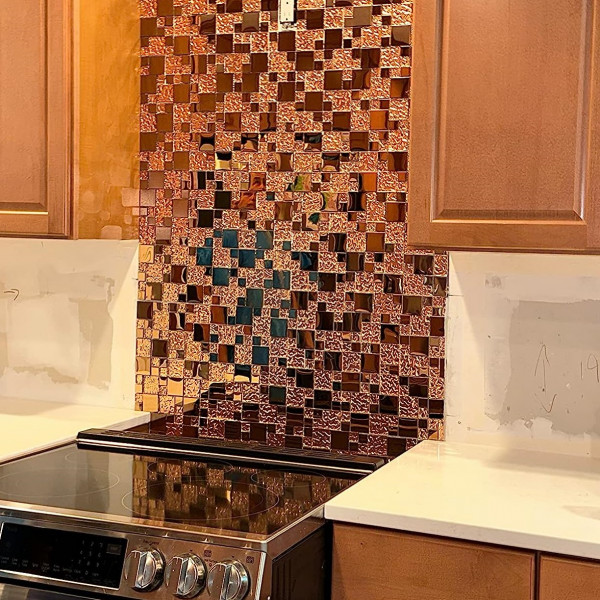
278	302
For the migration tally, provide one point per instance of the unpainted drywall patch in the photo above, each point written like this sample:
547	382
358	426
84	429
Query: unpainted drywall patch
97	329
54	375
552	368
61	328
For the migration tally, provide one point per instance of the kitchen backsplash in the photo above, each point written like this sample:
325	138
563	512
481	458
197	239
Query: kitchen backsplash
278	302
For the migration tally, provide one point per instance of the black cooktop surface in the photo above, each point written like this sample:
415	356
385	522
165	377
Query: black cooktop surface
198	494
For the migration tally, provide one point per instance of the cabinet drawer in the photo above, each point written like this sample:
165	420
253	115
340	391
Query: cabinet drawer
373	564
565	579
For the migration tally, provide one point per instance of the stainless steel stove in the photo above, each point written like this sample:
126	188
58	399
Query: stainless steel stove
137	515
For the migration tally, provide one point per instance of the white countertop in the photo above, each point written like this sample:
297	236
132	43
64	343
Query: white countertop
533	500
28	426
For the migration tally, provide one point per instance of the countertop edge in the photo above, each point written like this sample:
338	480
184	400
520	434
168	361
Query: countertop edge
548	502
464	532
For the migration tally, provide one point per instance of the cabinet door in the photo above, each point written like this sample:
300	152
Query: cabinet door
34	117
565	579
505	125
376	564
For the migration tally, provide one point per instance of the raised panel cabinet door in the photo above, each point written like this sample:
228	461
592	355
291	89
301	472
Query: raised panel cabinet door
377	564
34	117
567	579
504	125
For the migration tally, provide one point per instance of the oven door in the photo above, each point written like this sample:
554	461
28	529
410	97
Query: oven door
22	592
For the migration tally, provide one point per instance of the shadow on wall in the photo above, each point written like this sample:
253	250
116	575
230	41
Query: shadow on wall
67	320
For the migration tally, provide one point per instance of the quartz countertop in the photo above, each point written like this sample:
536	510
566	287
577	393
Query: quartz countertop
28	426
534	500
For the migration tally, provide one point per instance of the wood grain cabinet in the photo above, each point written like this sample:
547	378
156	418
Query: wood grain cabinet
568	579
376	564
69	117
505	130
35	118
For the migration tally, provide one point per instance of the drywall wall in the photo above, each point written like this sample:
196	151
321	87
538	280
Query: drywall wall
523	351
67	320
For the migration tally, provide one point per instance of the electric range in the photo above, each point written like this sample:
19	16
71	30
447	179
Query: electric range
132	514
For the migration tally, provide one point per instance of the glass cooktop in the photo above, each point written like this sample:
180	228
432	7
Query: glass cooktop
197	494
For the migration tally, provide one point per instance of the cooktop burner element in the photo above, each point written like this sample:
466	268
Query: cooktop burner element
124	513
24	486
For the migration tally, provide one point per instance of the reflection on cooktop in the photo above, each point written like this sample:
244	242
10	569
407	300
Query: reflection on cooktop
215	495
236	498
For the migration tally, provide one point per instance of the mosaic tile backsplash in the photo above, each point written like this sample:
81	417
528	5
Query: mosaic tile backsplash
278	301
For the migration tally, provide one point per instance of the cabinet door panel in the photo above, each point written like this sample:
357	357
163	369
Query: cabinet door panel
378	564
34	117
565	579
502	124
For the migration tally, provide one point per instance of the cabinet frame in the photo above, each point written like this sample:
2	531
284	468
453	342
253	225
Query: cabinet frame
433	225
52	216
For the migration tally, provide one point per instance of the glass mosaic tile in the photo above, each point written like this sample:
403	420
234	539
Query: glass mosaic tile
278	301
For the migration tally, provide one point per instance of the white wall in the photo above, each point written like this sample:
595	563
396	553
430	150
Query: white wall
523	351
67	320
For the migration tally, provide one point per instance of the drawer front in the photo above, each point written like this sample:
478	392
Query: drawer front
373	564
565	579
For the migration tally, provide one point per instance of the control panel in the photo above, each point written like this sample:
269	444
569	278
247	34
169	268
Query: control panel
66	555
130	565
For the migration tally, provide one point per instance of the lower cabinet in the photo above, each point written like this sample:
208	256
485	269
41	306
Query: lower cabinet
377	564
568	579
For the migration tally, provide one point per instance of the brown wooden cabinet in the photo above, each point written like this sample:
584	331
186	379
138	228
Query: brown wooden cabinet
376	564
35	118
69	118
505	130
568	579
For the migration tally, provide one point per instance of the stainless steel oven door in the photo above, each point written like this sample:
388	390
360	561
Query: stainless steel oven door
22	592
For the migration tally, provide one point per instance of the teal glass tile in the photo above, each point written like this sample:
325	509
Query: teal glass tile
243	315
279	328
254	297
247	258
221	276
230	238
260	355
264	239
204	256
281	280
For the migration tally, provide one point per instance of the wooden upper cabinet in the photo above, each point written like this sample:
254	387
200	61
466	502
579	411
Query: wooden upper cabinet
377	564
505	125
69	118
568	579
35	118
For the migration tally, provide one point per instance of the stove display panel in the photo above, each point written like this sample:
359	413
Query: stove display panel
62	555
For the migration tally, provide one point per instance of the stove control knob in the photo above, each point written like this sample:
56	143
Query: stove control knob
186	576
144	569
228	580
